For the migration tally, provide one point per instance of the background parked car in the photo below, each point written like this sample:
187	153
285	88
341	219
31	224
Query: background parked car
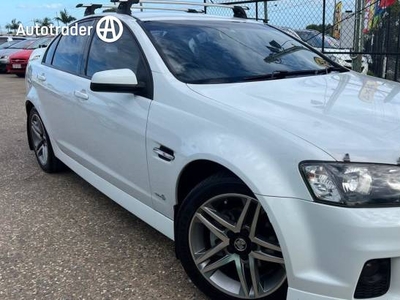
4	39
5	53
9	44
314	38
19	60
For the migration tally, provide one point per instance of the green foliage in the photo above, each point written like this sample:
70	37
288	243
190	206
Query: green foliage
65	17
46	22
13	26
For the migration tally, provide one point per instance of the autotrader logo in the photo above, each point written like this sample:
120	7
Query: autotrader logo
109	29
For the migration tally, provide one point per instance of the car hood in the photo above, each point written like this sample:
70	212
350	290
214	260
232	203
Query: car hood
340	113
22	54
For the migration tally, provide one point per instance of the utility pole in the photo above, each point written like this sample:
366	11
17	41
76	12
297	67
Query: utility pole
358	36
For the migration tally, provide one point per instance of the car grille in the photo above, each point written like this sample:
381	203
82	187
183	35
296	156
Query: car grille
18	61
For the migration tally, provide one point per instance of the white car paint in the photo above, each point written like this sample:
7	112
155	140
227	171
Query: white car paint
260	131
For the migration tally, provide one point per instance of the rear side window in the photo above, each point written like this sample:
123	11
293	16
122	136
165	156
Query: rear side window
70	52
48	58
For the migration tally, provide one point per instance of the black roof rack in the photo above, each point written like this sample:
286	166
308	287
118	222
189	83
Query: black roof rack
90	8
125	6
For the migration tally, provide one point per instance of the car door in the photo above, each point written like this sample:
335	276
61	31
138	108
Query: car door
110	127
57	78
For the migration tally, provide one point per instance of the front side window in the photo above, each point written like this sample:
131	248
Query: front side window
122	54
216	51
70	52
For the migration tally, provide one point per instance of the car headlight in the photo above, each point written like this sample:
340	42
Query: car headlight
6	58
34	57
353	184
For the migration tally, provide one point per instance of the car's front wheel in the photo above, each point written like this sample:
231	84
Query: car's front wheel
227	244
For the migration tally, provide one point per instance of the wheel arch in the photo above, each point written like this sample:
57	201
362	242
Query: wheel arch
195	172
28	106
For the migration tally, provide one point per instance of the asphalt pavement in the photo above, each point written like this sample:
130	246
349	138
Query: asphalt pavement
60	238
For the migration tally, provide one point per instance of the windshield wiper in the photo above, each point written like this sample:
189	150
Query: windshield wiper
283	74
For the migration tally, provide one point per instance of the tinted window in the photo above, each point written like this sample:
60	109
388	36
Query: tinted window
48	58
70	52
121	54
215	51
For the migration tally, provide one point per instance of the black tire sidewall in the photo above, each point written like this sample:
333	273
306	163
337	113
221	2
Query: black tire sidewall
200	194
50	165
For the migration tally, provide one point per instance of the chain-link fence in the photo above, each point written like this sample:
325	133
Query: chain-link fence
359	34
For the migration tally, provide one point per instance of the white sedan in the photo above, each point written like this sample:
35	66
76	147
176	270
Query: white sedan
275	171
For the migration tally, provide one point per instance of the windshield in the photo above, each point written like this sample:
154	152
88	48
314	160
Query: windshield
216	52
41	42
315	39
23	44
8	44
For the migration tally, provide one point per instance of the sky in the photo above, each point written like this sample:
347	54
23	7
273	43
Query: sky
28	10
291	13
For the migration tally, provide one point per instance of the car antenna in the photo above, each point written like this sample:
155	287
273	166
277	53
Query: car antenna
90	8
346	158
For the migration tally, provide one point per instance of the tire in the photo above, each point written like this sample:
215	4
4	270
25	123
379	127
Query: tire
21	75
219	214
41	144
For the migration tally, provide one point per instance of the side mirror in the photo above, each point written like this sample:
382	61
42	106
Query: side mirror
115	81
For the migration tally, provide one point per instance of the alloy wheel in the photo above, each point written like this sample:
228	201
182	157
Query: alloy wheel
235	247
39	139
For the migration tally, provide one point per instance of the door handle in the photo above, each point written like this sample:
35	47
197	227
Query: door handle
81	95
163	153
41	77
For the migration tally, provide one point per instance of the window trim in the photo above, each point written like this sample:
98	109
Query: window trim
54	42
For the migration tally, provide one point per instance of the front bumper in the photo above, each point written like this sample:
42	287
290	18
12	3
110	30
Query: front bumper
326	247
3	67
20	70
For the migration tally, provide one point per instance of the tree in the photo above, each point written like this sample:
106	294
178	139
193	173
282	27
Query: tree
13	26
46	22
65	17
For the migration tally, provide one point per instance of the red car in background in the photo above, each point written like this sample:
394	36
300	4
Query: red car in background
19	60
